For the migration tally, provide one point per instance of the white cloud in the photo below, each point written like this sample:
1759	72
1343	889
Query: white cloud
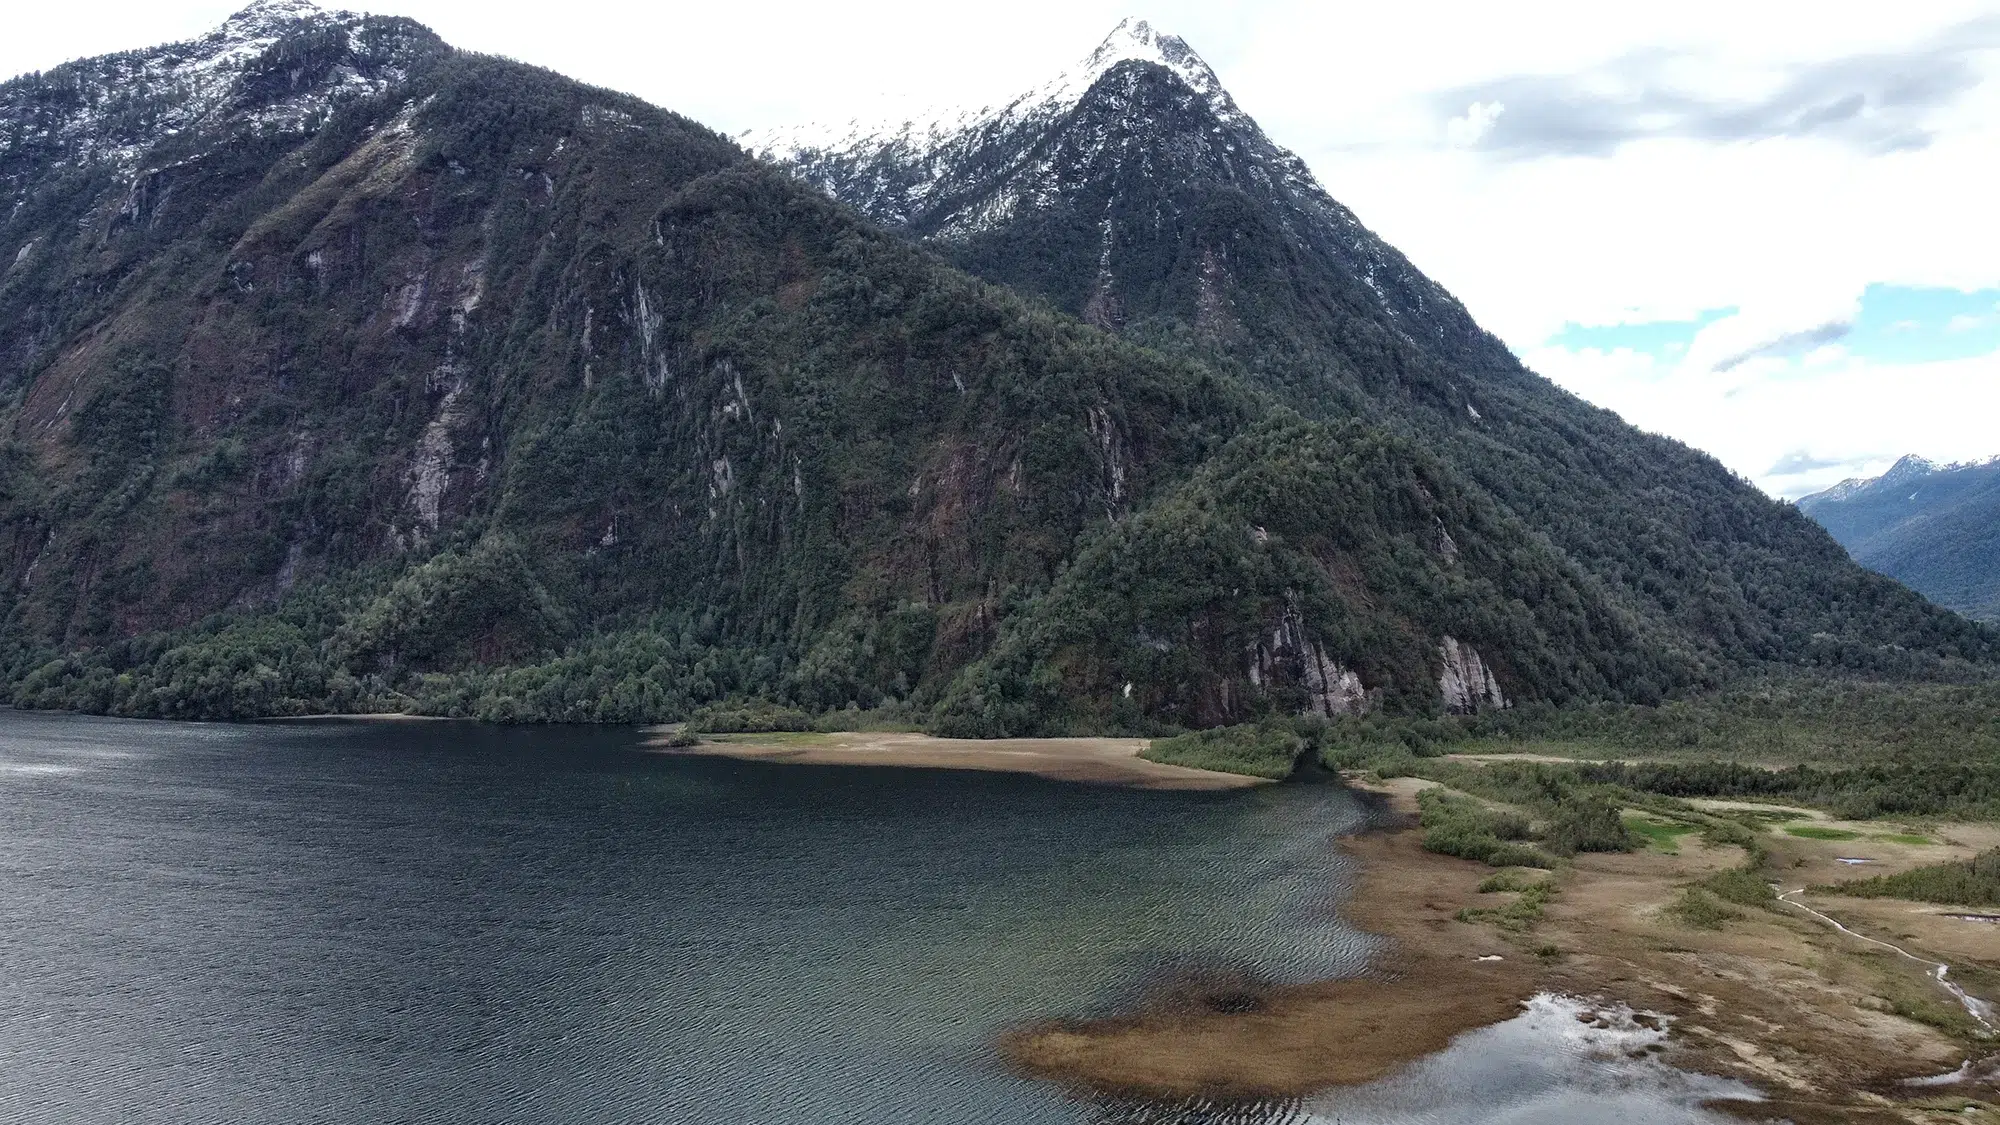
1849	416
1964	323
1479	119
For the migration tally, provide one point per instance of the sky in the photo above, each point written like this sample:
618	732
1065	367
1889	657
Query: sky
1767	229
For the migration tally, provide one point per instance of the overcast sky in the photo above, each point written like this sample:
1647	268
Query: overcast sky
1767	228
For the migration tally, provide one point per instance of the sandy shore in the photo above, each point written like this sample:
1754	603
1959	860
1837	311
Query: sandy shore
1820	1021
1109	761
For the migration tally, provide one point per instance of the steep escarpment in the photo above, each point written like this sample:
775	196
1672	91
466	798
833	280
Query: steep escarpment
1134	193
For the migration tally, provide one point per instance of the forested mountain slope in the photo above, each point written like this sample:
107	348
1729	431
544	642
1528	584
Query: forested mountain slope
1934	528
343	370
1134	193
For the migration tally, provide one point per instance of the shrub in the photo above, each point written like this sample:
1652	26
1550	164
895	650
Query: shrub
1973	882
1503	881
1587	823
1741	885
1462	827
748	718
1697	909
1256	749
1519	914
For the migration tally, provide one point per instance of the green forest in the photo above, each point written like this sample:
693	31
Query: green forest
490	394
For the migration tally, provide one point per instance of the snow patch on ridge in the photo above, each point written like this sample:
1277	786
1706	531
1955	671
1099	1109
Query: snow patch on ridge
1131	41
118	107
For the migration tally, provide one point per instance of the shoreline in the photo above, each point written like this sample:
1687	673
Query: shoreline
367	717
1103	761
1814	1020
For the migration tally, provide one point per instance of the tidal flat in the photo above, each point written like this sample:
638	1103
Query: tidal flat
1797	1020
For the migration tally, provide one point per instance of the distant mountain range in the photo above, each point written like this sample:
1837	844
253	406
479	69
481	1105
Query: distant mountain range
343	370
1935	528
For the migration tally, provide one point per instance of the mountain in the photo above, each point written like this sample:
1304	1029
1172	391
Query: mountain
1935	528
343	370
1135	194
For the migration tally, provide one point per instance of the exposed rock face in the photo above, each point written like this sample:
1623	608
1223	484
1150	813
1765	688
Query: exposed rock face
1330	688
1467	683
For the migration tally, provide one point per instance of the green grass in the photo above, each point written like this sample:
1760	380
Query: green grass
1768	816
1660	835
1902	838
1815	832
771	738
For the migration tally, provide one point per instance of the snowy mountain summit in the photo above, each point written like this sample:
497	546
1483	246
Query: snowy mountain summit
1131	41
1133	162
276	66
1934	527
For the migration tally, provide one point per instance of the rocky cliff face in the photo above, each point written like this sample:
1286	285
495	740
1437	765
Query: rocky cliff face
1467	684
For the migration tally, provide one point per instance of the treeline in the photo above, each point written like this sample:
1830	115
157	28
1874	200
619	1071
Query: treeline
1779	718
1971	790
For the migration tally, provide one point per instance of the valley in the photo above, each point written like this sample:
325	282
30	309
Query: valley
1033	614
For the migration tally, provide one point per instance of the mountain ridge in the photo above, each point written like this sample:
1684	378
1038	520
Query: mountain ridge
1934	527
451	384
1143	211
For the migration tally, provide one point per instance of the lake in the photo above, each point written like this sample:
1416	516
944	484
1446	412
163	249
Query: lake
446	922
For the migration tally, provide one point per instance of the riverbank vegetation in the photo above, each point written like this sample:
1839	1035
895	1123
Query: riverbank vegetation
1782	719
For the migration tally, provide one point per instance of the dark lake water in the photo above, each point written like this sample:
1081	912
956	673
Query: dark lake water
437	922
441	922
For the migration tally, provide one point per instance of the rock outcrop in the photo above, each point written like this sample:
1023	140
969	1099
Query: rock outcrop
1467	683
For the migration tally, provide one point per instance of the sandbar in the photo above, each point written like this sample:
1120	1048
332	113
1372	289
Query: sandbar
1105	761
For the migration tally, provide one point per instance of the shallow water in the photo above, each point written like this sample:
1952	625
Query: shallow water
1546	1066
454	923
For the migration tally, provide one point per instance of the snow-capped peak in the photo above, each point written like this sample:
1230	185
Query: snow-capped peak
1910	467
264	16
126	104
1136	41
1132	40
